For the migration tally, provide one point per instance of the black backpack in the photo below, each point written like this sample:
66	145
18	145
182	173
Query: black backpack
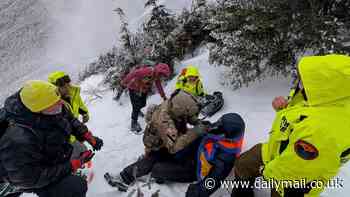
3	122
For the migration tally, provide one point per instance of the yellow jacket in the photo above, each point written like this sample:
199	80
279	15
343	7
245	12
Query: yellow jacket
309	139
196	89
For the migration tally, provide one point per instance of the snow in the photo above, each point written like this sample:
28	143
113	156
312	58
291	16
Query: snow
39	36
110	120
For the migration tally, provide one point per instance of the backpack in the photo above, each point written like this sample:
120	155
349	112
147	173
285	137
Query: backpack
3	122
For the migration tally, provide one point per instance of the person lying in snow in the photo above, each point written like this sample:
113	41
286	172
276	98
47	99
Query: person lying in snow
166	133
217	154
209	157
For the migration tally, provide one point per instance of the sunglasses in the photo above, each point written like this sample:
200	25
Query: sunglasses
62	81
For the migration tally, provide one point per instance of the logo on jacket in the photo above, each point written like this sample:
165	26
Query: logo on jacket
305	150
284	124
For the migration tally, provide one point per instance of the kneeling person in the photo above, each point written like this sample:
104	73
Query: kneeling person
217	154
34	151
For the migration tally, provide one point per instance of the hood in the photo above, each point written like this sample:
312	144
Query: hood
326	79
17	112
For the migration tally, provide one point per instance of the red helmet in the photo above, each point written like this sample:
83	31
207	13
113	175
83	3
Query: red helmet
162	69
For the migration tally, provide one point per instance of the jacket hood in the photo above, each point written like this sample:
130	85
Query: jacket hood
17	112
325	79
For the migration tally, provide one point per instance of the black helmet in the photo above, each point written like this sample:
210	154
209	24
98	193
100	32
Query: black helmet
231	124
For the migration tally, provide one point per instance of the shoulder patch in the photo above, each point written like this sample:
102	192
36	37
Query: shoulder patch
305	150
284	124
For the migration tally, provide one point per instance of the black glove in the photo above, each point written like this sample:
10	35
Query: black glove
94	141
99	144
192	191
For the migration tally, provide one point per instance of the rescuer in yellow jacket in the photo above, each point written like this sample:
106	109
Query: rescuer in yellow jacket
189	81
70	94
309	139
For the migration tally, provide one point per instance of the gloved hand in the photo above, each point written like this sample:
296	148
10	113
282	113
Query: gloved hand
192	191
201	128
85	156
86	118
94	141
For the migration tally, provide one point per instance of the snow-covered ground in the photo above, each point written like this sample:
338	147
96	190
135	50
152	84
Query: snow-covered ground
39	36
111	121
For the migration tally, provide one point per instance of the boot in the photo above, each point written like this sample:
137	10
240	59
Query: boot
135	126
141	114
116	181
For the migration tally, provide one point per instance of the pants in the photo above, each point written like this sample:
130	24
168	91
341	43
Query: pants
70	186
138	101
179	167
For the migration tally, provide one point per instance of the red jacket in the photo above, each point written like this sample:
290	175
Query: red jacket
135	80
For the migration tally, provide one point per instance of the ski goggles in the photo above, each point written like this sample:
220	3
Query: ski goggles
63	81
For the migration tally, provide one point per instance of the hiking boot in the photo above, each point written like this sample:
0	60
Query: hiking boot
116	181
135	126
141	114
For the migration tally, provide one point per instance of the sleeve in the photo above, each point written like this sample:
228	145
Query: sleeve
78	128
82	107
160	88
179	82
24	164
310	152
222	167
200	89
132	76
170	136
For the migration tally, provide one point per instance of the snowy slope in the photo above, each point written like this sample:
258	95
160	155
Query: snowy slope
110	120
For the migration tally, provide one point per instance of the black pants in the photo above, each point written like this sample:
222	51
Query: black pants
179	167
138	101
70	186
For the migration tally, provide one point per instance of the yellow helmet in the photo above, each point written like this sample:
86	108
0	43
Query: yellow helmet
38	95
58	78
192	71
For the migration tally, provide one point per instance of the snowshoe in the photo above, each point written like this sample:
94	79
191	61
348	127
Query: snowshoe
116	181
211	104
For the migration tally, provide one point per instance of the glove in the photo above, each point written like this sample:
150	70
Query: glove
192	191
85	156
200	129
94	141
86	118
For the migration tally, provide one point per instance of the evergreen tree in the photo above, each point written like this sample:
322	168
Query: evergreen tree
260	37
156	29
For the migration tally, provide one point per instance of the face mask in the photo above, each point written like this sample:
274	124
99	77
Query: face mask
53	110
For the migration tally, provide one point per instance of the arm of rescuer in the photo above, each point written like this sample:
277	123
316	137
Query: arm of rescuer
172	139
81	132
160	89
23	162
318	161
